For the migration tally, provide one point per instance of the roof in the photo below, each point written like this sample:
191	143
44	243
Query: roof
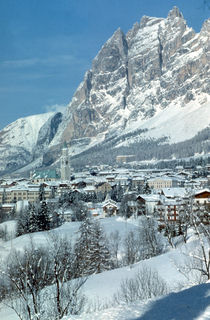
109	202
202	191
45	174
174	192
150	197
165	178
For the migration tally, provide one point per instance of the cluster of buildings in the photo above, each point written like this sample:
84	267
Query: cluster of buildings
163	192
166	193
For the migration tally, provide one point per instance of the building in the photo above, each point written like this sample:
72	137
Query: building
162	182
65	164
103	187
41	176
170	210
202	197
147	203
110	208
125	158
22	193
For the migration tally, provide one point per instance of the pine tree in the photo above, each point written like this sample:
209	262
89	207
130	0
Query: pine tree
99	254
146	189
22	222
33	218
41	192
91	253
43	221
82	247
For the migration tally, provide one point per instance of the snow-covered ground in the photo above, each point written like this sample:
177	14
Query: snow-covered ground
191	303
188	304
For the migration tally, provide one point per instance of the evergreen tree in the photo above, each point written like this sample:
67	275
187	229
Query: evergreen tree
43	219
53	192
33	218
146	189
91	253
22	222
82	247
99	254
41	192
4	195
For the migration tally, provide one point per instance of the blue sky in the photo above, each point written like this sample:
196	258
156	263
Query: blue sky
47	45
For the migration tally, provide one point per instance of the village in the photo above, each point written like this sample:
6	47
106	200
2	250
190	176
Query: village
163	193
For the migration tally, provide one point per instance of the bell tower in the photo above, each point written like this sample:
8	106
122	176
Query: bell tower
65	164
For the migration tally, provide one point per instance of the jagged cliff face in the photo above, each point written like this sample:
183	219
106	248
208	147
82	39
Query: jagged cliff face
152	82
159	62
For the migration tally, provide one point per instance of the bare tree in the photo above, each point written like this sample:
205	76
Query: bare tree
149	238
131	248
26	274
196	266
66	296
37	273
144	285
114	246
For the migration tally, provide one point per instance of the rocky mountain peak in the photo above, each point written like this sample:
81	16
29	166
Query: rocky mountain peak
158	62
205	30
132	32
112	53
175	13
148	21
160	67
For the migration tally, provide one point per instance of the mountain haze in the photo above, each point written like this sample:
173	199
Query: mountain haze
147	87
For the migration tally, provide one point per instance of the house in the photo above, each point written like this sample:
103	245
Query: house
7	207
175	193
89	190
78	183
170	210
95	210
123	180
110	208
147	203
138	181
202	197
103	187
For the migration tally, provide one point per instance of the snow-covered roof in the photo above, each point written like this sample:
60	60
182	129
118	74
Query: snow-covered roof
174	192
150	197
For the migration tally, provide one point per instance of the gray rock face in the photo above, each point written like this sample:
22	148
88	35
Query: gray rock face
159	61
47	133
158	64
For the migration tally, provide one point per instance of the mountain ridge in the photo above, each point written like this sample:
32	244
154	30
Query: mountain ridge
154	78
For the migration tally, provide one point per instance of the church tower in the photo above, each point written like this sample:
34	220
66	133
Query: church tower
65	165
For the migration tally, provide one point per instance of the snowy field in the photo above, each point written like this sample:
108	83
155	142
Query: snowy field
191	303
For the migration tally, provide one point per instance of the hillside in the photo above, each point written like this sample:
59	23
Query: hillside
181	303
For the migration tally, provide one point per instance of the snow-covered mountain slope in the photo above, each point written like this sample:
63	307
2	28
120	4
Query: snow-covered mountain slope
24	132
152	82
156	77
21	140
177	123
